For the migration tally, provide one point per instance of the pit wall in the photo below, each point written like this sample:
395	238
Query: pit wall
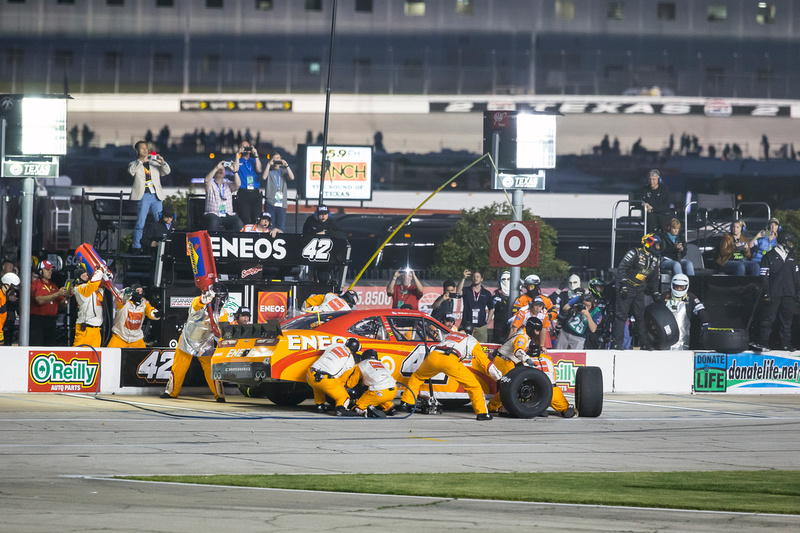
145	371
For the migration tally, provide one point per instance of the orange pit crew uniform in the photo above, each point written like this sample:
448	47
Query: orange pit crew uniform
380	383
514	352
196	340
327	375
446	357
128	323
3	314
325	303
521	318
90	314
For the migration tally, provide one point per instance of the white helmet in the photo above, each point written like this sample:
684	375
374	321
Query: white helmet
679	285
573	282
533	279
10	279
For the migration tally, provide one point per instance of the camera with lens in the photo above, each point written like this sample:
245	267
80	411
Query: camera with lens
227	164
455	295
578	307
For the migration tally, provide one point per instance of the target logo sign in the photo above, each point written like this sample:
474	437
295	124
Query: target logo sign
514	244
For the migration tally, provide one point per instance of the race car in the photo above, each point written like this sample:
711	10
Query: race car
270	360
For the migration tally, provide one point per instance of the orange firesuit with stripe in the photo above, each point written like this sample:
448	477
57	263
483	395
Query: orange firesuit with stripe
196	340
90	314
128	323
3	313
381	386
446	357
328	374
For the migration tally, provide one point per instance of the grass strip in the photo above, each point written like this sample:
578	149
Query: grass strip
759	491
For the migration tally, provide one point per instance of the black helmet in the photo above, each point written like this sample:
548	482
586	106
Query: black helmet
786	238
533	326
366	355
652	244
351	297
596	287
467	328
353	345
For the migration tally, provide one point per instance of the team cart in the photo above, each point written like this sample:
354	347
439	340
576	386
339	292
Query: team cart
271	360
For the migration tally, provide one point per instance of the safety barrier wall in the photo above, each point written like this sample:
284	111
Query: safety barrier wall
38	369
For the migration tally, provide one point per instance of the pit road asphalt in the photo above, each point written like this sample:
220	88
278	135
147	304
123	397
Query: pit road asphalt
58	453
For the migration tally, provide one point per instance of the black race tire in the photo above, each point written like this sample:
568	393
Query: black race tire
251	391
526	392
589	391
726	340
287	393
661	328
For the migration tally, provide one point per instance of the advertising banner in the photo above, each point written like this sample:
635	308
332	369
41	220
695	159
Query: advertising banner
63	371
746	372
271	305
350	176
566	366
151	367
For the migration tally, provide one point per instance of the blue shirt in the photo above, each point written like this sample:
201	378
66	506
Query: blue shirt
247	173
763	245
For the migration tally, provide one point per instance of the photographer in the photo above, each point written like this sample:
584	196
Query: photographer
444	304
409	291
578	316
275	184
249	199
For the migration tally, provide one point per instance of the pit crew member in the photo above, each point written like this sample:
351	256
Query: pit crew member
327	376
380	384
198	340
638	272
129	319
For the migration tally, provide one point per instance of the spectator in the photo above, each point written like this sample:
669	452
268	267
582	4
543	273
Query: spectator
579	316
264	225
478	308
765	240
45	299
9	286
408	292
500	304
444	304
89	298
655	196
673	250
129	319
198	340
249	200
146	170
638	272
321	223
780	267
734	253
161	230
219	211
687	308
277	190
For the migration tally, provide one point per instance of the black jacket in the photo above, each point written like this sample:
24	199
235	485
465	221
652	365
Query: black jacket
314	226
783	277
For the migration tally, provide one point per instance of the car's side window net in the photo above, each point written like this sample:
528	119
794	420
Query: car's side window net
371	327
406	328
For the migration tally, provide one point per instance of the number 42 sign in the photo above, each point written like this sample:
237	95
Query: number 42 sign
514	244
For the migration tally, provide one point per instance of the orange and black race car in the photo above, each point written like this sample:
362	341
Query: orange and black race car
270	360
